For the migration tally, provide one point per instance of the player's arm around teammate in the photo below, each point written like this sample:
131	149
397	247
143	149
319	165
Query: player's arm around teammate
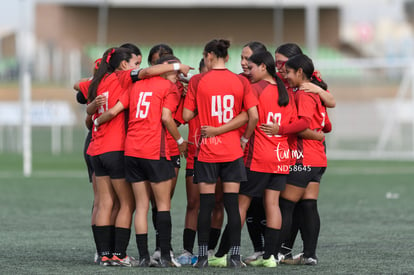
305	175
150	103
107	149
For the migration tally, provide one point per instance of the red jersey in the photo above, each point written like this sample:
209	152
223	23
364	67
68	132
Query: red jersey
84	87
219	95
146	133
125	79
311	152
194	141
270	154
109	136
171	142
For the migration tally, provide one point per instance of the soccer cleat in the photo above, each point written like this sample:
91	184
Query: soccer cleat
218	261
104	261
127	261
295	260
145	262
257	262
185	258
157	255
284	253
310	261
234	263
253	257
165	263
202	262
271	262
175	263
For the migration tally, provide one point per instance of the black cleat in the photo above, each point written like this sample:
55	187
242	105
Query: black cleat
202	262
165	263
144	262
236	263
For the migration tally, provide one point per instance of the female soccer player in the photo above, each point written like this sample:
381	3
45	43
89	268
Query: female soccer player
267	160
305	175
282	54
157	52
218	96
150	104
107	149
255	217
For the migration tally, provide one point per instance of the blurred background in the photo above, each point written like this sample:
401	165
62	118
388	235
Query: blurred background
363	49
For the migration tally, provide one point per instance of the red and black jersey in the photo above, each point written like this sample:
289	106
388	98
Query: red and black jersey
146	137
270	154
309	105
109	136
219	95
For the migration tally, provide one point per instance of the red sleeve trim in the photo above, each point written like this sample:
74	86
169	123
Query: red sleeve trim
298	126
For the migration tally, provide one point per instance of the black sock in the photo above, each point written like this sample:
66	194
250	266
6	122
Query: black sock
154	223
142	244
103	238
231	205
286	209
164	232
297	221
254	217
122	236
207	202
112	237
94	237
214	237
311	227
224	245
271	240
188	239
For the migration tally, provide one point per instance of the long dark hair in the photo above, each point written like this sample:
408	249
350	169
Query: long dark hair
161	49
133	48
256	46
110	61
218	47
305	63
289	50
266	58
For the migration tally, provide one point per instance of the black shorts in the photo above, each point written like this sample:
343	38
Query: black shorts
257	182
139	169
109	164
88	158
232	171
300	175
189	172
176	161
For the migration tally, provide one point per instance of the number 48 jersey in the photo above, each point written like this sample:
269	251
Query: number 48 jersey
218	96
146	135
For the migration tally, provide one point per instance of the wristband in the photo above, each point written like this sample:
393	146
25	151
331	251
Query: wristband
244	140
176	66
180	141
95	122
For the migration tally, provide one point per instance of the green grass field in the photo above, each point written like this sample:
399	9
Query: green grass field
45	220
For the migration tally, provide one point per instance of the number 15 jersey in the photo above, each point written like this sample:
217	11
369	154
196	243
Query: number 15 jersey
219	95
146	135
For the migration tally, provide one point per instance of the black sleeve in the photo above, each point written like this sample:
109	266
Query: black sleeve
134	75
80	98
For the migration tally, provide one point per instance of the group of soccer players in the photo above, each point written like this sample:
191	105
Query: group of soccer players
255	149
